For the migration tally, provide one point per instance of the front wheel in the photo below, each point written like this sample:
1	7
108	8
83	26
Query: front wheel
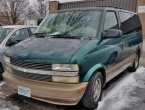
94	91
135	64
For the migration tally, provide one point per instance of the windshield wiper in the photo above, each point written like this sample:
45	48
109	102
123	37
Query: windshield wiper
40	35
65	36
58	35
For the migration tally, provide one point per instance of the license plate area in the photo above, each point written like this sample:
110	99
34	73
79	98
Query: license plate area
24	91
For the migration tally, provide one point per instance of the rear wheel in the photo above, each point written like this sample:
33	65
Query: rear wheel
135	64
94	91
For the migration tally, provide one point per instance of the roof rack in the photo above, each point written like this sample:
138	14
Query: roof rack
129	5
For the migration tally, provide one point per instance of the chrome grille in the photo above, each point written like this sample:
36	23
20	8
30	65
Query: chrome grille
38	77
31	65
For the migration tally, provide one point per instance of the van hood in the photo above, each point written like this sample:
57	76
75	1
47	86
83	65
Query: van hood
46	50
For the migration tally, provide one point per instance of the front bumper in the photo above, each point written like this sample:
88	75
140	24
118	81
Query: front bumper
55	93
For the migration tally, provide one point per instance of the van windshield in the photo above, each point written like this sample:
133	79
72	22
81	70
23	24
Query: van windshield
4	32
76	24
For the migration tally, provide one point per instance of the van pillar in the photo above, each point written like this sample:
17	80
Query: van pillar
142	15
53	6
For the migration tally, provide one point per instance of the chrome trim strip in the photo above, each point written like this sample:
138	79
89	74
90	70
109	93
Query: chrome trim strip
116	69
34	71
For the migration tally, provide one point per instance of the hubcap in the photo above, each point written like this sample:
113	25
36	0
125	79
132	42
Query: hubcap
136	61
97	90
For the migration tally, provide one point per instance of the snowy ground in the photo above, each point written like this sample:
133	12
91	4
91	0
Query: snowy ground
126	92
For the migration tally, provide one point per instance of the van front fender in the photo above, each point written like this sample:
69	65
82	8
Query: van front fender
92	71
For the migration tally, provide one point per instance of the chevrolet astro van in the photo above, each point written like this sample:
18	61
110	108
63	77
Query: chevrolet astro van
73	54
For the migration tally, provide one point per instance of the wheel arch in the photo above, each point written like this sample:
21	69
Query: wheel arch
1	66
92	71
138	51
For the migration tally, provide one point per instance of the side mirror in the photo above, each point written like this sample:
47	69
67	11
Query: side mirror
112	33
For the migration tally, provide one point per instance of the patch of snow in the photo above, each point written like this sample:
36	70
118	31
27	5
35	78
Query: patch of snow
2	83
4	103
121	96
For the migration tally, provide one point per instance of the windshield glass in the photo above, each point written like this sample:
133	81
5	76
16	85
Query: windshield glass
4	32
71	24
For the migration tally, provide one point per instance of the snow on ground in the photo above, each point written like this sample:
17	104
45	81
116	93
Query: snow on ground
4	103
127	92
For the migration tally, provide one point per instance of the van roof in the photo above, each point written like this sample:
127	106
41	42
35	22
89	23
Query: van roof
97	8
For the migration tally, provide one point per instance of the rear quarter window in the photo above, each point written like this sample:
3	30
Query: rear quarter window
129	22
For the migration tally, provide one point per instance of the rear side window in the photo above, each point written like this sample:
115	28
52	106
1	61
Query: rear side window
129	22
136	23
110	21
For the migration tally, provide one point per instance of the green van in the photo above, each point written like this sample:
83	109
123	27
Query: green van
73	54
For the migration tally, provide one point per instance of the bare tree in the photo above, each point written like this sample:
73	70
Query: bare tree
11	11
32	13
41	7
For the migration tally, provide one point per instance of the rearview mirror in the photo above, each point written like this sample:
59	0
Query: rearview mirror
112	33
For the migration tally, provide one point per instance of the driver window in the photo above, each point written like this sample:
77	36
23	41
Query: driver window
110	21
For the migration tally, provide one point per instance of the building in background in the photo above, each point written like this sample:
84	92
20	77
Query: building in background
141	11
31	22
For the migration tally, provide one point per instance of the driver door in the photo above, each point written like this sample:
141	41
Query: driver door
114	46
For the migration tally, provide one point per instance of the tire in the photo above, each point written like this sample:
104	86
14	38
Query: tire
135	64
1	72
93	95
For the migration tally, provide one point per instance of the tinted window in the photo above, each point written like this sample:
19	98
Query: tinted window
110	21
125	21
129	22
136	23
124	16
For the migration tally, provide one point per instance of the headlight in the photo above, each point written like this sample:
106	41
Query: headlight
63	79
8	69
65	67
6	59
